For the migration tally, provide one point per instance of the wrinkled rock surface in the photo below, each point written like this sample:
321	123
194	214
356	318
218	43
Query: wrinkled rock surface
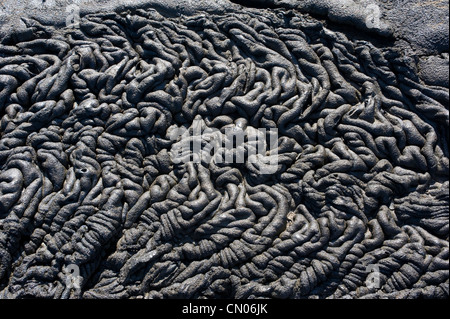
87	178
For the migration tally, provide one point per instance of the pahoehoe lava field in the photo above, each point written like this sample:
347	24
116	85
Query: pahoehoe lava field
87	177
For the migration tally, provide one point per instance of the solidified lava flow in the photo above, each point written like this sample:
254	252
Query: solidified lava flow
87	177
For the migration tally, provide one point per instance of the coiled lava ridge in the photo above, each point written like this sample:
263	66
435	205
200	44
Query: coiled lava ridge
86	177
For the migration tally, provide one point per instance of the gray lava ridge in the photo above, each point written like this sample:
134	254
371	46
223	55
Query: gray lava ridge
86	176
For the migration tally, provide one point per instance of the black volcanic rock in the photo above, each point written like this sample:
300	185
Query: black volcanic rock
93	203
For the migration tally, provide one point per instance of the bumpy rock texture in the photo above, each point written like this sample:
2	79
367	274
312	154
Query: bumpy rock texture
86	177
